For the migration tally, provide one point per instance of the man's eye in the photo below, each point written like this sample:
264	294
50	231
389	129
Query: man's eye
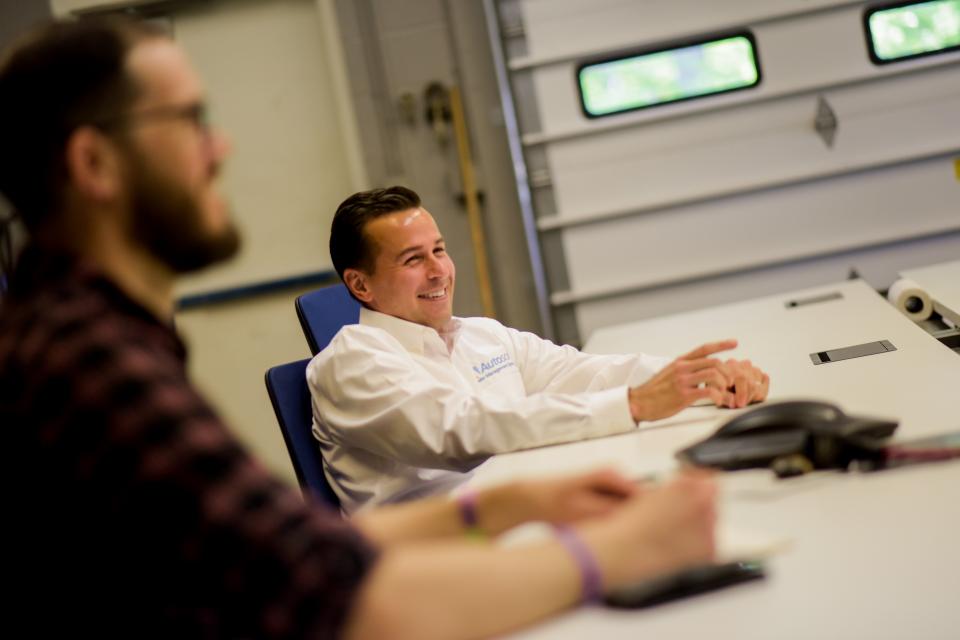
412	260
439	251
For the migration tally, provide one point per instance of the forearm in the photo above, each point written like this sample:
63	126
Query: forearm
498	509
440	428
462	590
465	590
554	368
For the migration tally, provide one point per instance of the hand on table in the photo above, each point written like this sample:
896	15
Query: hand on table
661	530
556	500
687	379
748	383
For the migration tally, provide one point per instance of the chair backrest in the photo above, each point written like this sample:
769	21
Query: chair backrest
322	312
290	396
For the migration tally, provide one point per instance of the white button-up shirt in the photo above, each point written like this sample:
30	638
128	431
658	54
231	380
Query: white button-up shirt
399	414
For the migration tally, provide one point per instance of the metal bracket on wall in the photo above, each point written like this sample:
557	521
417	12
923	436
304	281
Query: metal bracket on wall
825	122
407	108
437	111
513	29
540	178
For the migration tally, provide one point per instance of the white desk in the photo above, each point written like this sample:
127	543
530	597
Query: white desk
942	282
919	383
872	555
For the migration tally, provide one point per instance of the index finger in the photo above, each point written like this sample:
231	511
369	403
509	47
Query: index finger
709	349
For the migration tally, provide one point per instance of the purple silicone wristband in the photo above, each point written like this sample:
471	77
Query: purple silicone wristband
467	503
586	562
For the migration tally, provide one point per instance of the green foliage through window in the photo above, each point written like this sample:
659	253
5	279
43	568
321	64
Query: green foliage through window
668	75
911	30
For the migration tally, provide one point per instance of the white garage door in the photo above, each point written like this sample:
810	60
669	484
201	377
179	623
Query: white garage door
830	163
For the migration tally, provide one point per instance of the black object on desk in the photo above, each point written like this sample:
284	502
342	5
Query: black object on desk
855	351
684	584
792	438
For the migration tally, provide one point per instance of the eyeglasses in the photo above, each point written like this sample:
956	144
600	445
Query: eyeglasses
195	113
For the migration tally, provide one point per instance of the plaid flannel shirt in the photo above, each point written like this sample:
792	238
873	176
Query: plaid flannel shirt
132	511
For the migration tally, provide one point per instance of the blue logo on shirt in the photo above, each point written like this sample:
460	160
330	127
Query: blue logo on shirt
492	367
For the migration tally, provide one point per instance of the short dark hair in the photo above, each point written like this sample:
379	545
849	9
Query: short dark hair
349	246
60	76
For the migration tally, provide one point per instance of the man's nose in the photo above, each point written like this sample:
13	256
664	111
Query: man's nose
436	267
219	144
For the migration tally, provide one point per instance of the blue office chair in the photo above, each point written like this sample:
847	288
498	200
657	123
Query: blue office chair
290	396
322	312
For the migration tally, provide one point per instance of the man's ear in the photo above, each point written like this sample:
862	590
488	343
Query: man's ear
93	165
356	281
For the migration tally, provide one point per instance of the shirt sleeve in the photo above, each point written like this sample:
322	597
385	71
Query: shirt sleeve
373	396
547	367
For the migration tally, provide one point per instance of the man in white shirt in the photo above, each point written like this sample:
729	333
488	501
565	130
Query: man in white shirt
411	399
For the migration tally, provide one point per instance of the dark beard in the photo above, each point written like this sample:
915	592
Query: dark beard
166	220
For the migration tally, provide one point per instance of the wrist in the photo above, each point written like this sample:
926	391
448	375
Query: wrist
621	554
637	404
467	504
585	559
504	507
608	551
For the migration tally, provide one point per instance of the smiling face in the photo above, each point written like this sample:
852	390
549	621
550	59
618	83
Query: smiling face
412	277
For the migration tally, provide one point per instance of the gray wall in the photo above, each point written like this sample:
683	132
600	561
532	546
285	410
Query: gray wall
17	15
395	49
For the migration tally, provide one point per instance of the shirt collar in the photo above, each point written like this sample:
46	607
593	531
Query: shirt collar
411	335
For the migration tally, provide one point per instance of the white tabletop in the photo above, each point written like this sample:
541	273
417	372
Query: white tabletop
942	282
918	383
870	555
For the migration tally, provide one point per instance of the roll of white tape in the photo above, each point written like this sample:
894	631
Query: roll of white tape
907	296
